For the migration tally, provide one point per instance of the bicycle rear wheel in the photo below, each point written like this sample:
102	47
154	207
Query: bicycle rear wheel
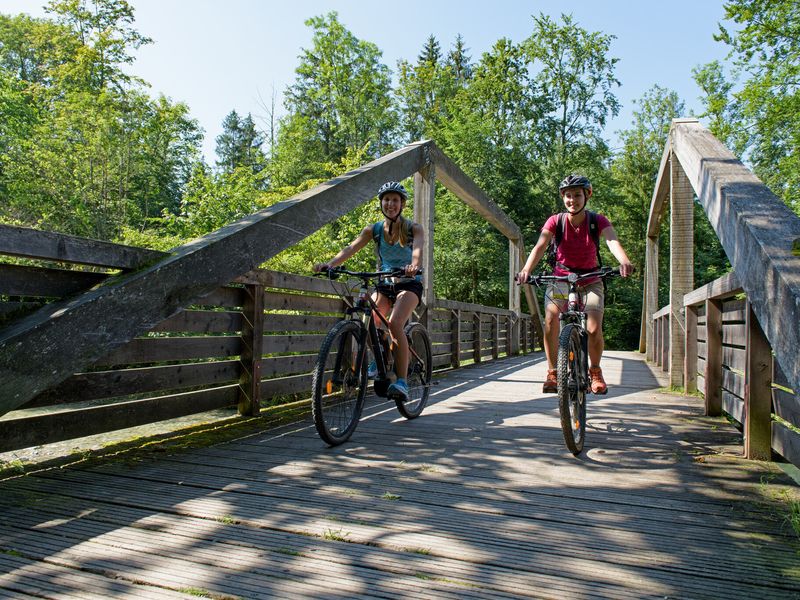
571	388
419	371
339	384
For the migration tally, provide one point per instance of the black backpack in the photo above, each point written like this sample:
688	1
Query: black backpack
594	231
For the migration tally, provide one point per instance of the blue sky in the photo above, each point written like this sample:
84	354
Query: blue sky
220	55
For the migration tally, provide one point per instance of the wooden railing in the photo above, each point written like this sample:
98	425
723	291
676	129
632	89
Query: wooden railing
722	337
107	336
729	359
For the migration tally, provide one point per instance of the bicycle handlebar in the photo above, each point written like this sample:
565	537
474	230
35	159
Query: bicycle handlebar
334	272
603	272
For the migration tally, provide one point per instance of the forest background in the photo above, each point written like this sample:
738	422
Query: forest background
86	150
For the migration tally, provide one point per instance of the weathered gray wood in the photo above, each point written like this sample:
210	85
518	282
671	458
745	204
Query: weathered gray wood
470	307
648	332
713	370
149	350
786	443
424	211
757	231
64	425
202	321
297	283
681	264
758	392
690	353
18	280
285	301
733	382
719	289
455	339
252	348
124	382
47	347
58	247
734	406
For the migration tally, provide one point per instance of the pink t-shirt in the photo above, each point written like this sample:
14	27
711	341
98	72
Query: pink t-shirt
576	250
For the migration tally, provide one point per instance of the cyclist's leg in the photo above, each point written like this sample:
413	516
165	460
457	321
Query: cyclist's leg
594	321
555	303
403	307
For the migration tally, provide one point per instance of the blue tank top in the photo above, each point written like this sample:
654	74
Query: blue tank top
393	256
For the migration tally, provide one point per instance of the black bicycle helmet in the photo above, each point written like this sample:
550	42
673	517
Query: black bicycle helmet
392	186
574	180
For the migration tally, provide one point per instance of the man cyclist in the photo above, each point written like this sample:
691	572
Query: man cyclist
577	252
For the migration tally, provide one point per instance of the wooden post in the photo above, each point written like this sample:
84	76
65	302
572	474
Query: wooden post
757	391
476	344
514	303
424	202
681	278
713	372
495	336
690	354
651	297
455	339
252	351
509	335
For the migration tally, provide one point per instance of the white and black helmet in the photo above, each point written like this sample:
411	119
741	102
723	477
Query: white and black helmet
392	186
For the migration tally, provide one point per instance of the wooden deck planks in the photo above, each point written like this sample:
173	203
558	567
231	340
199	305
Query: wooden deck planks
477	498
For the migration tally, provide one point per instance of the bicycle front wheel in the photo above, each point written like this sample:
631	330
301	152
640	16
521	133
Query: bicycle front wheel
340	383
571	388
419	371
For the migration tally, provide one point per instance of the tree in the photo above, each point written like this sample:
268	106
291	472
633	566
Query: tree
341	100
763	118
575	74
239	144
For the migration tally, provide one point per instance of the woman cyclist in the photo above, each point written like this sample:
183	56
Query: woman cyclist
399	245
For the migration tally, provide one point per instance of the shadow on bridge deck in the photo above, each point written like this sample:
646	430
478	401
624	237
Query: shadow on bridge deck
477	498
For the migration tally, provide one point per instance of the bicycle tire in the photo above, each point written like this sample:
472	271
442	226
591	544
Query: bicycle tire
571	388
419	372
338	392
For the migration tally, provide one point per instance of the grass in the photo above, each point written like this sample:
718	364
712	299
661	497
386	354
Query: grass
227	520
336	535
390	496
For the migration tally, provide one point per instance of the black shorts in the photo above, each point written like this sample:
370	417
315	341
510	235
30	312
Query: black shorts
391	290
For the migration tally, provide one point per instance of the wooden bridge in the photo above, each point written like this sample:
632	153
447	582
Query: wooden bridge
476	498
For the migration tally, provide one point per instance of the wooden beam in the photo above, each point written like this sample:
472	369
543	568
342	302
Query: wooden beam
719	289
713	372
458	182
46	245
756	230
757	392
424	207
45	348
681	264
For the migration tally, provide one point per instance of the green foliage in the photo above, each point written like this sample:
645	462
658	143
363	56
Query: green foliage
761	121
84	150
340	100
239	144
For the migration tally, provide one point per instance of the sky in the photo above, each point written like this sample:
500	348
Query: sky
217	56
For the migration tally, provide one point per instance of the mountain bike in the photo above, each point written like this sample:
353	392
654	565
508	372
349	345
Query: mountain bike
339	383
573	355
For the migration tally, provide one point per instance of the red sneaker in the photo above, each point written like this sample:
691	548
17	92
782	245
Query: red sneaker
598	384
551	383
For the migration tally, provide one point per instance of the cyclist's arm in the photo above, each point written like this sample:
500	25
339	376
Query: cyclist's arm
357	244
535	256
625	266
416	251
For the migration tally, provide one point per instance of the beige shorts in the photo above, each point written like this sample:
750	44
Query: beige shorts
592	296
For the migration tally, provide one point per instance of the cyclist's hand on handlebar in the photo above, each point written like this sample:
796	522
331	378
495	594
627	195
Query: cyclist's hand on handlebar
626	269
412	270
321	267
522	276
